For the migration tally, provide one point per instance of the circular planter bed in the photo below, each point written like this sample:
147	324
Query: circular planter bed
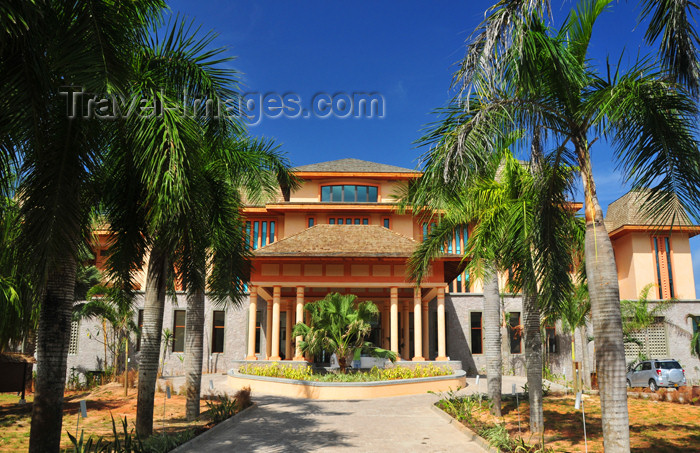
346	390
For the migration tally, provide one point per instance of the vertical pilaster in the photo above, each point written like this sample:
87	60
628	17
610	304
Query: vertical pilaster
385	327
299	318
441	354
395	320
417	326
275	350
252	314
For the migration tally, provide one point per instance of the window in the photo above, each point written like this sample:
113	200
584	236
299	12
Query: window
349	194
217	333
646	366
477	335
664	271
514	333
348	220
179	331
258	331
74	333
387	222
551	339
138	334
310	222
260	233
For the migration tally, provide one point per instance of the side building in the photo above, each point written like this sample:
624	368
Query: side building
340	232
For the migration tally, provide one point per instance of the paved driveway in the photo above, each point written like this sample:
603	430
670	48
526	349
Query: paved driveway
398	424
279	424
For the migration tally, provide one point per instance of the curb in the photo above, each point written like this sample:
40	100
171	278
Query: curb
474	437
194	444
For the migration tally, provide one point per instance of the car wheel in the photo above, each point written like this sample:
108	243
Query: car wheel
652	385
629	384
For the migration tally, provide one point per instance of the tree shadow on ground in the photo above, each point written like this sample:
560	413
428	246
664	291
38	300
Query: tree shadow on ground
277	424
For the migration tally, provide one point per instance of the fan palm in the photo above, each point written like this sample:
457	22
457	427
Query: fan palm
46	46
541	79
339	325
695	339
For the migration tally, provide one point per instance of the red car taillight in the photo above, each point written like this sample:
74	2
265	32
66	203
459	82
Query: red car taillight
658	372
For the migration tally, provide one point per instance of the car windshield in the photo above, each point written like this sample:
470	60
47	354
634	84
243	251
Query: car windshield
668	365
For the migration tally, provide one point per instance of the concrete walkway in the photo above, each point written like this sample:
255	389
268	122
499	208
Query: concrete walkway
280	424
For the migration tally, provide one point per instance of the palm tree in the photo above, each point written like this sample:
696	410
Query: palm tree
637	315
339	325
115	307
506	210
46	46
212	231
520	74
695	340
150	176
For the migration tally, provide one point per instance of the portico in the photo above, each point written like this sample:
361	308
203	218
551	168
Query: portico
368	261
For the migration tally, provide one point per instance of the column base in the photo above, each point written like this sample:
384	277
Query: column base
251	357
275	358
418	359
299	359
441	359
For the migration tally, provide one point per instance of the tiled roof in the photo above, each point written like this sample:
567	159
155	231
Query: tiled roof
627	210
352	166
342	240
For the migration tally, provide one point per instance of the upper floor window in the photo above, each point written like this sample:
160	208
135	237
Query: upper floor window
348	220
349	194
664	271
260	233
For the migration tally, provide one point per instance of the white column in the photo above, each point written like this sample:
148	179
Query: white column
417	325
252	314
442	355
395	320
299	318
275	350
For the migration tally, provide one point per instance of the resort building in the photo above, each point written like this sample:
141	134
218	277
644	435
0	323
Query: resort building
340	231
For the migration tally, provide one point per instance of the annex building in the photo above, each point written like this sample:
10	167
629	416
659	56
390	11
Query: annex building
340	231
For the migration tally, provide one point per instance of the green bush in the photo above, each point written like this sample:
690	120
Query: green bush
375	374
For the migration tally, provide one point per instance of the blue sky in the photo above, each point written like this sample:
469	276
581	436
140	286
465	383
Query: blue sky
405	50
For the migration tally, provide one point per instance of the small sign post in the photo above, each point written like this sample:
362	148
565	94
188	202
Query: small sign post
517	406
167	396
478	390
579	405
82	413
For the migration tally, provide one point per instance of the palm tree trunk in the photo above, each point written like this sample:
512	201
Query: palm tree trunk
126	365
603	288
584	355
533	359
52	357
194	334
150	340
492	340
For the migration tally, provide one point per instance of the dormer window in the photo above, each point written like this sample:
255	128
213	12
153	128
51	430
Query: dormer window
349	194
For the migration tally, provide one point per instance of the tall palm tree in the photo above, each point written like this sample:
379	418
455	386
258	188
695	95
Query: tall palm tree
46	46
506	210
520	74
152	175
212	231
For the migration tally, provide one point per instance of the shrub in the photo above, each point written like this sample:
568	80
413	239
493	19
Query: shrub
375	374
222	407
